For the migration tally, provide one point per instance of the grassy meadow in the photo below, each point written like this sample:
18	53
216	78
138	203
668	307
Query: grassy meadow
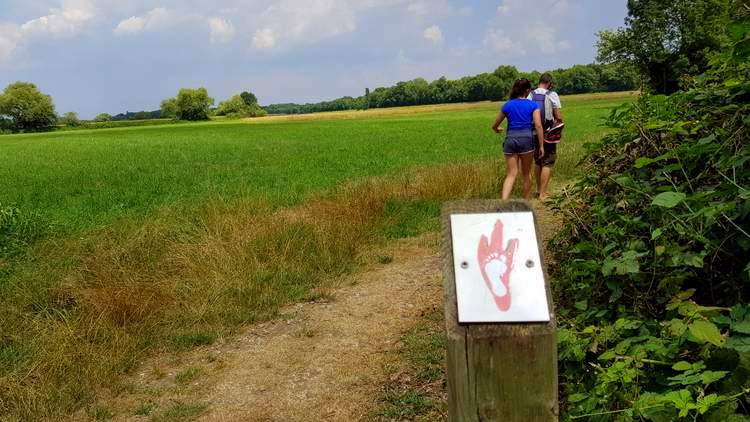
160	238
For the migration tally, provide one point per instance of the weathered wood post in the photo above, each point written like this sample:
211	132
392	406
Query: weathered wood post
498	371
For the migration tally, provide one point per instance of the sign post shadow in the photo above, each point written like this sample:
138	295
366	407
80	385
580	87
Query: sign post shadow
500	325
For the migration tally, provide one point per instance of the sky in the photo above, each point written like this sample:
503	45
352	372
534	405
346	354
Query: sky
112	56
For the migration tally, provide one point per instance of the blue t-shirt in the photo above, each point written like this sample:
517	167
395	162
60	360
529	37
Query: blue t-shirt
520	113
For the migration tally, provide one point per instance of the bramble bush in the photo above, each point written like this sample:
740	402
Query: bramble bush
653	283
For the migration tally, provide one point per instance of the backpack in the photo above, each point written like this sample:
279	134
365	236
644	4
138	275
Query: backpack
548	118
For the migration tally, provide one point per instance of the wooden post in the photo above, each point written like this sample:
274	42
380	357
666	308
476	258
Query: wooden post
500	371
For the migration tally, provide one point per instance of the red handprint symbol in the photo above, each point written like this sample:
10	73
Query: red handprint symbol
496	264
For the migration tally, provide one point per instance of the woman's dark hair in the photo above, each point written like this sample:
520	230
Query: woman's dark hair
521	87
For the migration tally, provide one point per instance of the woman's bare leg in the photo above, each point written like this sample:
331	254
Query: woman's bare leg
526	162
511	171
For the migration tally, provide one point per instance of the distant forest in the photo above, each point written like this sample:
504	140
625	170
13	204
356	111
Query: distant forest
493	86
138	115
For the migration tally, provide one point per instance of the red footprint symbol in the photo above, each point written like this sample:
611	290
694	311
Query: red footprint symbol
496	264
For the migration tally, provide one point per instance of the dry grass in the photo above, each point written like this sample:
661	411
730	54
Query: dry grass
432	108
374	112
100	303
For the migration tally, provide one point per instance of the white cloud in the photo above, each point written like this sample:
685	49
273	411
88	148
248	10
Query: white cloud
131	25
498	42
264	39
303	22
434	34
9	37
158	18
222	30
542	36
67	20
546	39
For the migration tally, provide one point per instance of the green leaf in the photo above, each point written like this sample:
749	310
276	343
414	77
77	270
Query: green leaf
655	234
642	162
682	366
709	377
582	305
707	402
706	332
739	343
574	398
668	199
742	327
682	400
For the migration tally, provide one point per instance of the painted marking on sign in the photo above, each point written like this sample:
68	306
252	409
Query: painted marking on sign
499	276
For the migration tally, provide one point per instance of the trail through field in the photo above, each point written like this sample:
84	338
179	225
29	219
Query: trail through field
318	361
322	360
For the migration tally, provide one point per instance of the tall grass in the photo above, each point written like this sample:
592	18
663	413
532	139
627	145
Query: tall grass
82	311
80	180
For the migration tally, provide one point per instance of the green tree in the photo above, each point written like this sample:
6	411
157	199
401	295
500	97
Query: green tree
667	39
193	104
618	77
577	80
507	74
70	119
249	98
417	92
103	117
237	107
26	108
169	108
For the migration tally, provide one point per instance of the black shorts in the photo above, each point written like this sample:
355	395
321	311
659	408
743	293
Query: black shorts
550	155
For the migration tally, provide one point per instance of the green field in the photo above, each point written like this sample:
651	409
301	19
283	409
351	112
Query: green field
82	179
166	237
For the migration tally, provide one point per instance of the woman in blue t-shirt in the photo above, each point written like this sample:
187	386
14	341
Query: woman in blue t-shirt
522	115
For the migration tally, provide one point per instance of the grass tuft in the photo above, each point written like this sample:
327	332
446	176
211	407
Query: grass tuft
188	375
179	411
144	409
416	390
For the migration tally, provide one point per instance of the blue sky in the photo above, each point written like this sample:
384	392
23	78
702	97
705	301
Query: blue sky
110	56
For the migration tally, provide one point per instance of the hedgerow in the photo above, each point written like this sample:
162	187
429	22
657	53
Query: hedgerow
653	279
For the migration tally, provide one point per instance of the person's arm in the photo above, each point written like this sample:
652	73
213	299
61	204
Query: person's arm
556	106
558	115
499	119
539	131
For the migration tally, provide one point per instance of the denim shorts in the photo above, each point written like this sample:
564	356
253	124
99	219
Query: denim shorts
518	142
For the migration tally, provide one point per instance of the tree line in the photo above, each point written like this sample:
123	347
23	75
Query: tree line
493	86
23	108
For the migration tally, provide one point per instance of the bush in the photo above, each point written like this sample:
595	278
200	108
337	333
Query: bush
193	104
237	107
654	279
69	119
103	117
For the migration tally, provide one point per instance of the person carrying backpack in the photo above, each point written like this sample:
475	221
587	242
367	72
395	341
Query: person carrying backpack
549	105
520	142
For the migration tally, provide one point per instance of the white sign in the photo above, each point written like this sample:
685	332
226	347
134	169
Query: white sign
499	275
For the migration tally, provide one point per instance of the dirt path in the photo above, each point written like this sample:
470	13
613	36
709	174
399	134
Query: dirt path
319	361
322	360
